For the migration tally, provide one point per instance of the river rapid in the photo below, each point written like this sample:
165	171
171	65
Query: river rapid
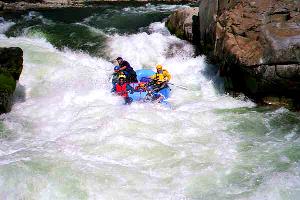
68	137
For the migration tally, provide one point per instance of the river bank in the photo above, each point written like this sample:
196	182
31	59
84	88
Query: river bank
15	6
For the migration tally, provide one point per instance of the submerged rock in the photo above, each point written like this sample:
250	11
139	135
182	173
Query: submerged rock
11	65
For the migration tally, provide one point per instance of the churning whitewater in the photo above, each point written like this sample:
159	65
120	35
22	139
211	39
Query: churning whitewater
68	137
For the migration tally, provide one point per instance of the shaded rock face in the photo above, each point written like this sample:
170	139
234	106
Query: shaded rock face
256	43
182	23
11	64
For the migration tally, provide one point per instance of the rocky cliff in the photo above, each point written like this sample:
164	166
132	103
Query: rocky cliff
11	65
255	43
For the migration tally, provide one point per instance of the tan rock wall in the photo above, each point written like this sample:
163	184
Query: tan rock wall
255	42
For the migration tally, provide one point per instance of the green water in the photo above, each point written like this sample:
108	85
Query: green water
85	28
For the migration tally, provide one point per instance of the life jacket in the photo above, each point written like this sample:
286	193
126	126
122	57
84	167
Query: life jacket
121	90
159	77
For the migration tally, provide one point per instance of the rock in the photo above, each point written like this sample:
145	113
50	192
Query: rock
1	5
256	44
280	102
181	23
11	64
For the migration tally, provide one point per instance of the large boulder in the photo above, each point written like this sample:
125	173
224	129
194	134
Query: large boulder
11	65
182	23
256	43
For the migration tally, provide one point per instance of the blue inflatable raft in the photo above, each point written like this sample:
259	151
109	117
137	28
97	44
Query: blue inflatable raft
143	77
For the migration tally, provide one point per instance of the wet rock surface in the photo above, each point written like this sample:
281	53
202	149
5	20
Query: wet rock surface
256	44
182	23
11	65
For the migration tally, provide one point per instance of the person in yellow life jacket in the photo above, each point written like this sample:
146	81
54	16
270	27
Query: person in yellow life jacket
160	71
160	78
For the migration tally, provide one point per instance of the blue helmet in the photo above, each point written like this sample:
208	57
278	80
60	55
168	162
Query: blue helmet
117	68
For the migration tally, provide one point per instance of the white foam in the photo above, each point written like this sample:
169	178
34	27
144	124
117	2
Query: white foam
33	15
148	8
70	122
5	25
92	29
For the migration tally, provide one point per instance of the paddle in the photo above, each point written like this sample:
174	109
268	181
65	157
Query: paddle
179	86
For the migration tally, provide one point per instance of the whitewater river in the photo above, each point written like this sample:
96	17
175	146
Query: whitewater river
68	137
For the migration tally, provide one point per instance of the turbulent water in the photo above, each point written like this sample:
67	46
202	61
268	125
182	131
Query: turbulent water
68	137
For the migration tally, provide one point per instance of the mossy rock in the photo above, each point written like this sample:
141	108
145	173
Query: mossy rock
170	26
7	83
178	33
11	61
11	64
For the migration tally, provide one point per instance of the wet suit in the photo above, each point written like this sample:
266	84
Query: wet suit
129	72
